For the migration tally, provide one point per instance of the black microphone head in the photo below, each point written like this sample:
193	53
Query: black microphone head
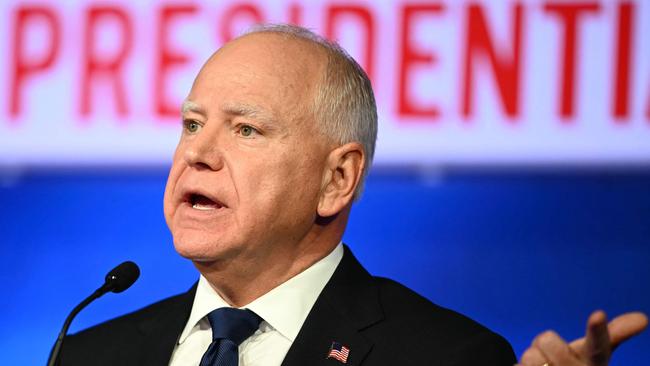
122	277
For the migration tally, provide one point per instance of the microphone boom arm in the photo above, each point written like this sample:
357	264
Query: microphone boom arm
117	280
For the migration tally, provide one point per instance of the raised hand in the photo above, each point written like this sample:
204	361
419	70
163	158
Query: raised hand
595	349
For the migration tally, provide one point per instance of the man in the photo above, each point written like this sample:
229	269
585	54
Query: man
279	130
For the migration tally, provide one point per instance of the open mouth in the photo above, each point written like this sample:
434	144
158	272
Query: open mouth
203	203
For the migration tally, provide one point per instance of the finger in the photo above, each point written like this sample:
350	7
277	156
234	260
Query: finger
626	326
532	357
622	328
597	345
555	349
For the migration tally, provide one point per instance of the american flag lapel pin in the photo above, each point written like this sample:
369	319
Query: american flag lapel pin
339	352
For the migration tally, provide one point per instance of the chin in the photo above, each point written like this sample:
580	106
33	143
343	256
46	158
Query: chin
201	248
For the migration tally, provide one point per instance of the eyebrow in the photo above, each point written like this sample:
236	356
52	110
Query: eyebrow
189	106
250	111
236	110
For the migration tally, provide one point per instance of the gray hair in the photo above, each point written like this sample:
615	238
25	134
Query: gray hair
345	103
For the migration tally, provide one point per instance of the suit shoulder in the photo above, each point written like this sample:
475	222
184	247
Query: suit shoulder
400	301
127	321
422	324
123	340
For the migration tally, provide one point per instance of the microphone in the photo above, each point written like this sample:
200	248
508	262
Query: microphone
117	280
121	277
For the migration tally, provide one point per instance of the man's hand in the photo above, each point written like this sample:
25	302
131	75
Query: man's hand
594	349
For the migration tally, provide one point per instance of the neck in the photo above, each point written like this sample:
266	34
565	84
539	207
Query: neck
243	280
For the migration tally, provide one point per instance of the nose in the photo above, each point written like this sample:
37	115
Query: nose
202	151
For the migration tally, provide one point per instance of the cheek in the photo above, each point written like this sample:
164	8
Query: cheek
291	184
172	180
276	181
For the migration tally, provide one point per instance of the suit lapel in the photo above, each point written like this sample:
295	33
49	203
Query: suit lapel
162	331
348	304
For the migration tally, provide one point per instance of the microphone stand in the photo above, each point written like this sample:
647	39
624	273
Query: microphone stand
117	280
54	355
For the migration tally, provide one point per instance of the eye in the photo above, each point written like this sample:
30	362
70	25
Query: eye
191	126
247	131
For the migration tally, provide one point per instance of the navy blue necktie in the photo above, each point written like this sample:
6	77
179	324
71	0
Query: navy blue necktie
230	327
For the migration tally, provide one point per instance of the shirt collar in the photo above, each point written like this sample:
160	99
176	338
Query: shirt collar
284	308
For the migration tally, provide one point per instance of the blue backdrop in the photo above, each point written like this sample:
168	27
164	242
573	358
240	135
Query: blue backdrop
519	252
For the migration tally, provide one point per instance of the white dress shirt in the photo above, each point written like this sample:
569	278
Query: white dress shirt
284	310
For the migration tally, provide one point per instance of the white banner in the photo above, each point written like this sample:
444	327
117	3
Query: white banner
457	82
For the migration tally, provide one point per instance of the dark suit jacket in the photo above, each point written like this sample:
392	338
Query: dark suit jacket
379	320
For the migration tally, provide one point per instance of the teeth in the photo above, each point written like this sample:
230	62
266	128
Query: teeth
201	207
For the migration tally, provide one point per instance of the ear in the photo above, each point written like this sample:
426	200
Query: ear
342	175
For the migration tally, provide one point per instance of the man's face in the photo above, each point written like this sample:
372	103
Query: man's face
247	172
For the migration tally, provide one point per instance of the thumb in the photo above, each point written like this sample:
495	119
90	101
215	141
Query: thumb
626	326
